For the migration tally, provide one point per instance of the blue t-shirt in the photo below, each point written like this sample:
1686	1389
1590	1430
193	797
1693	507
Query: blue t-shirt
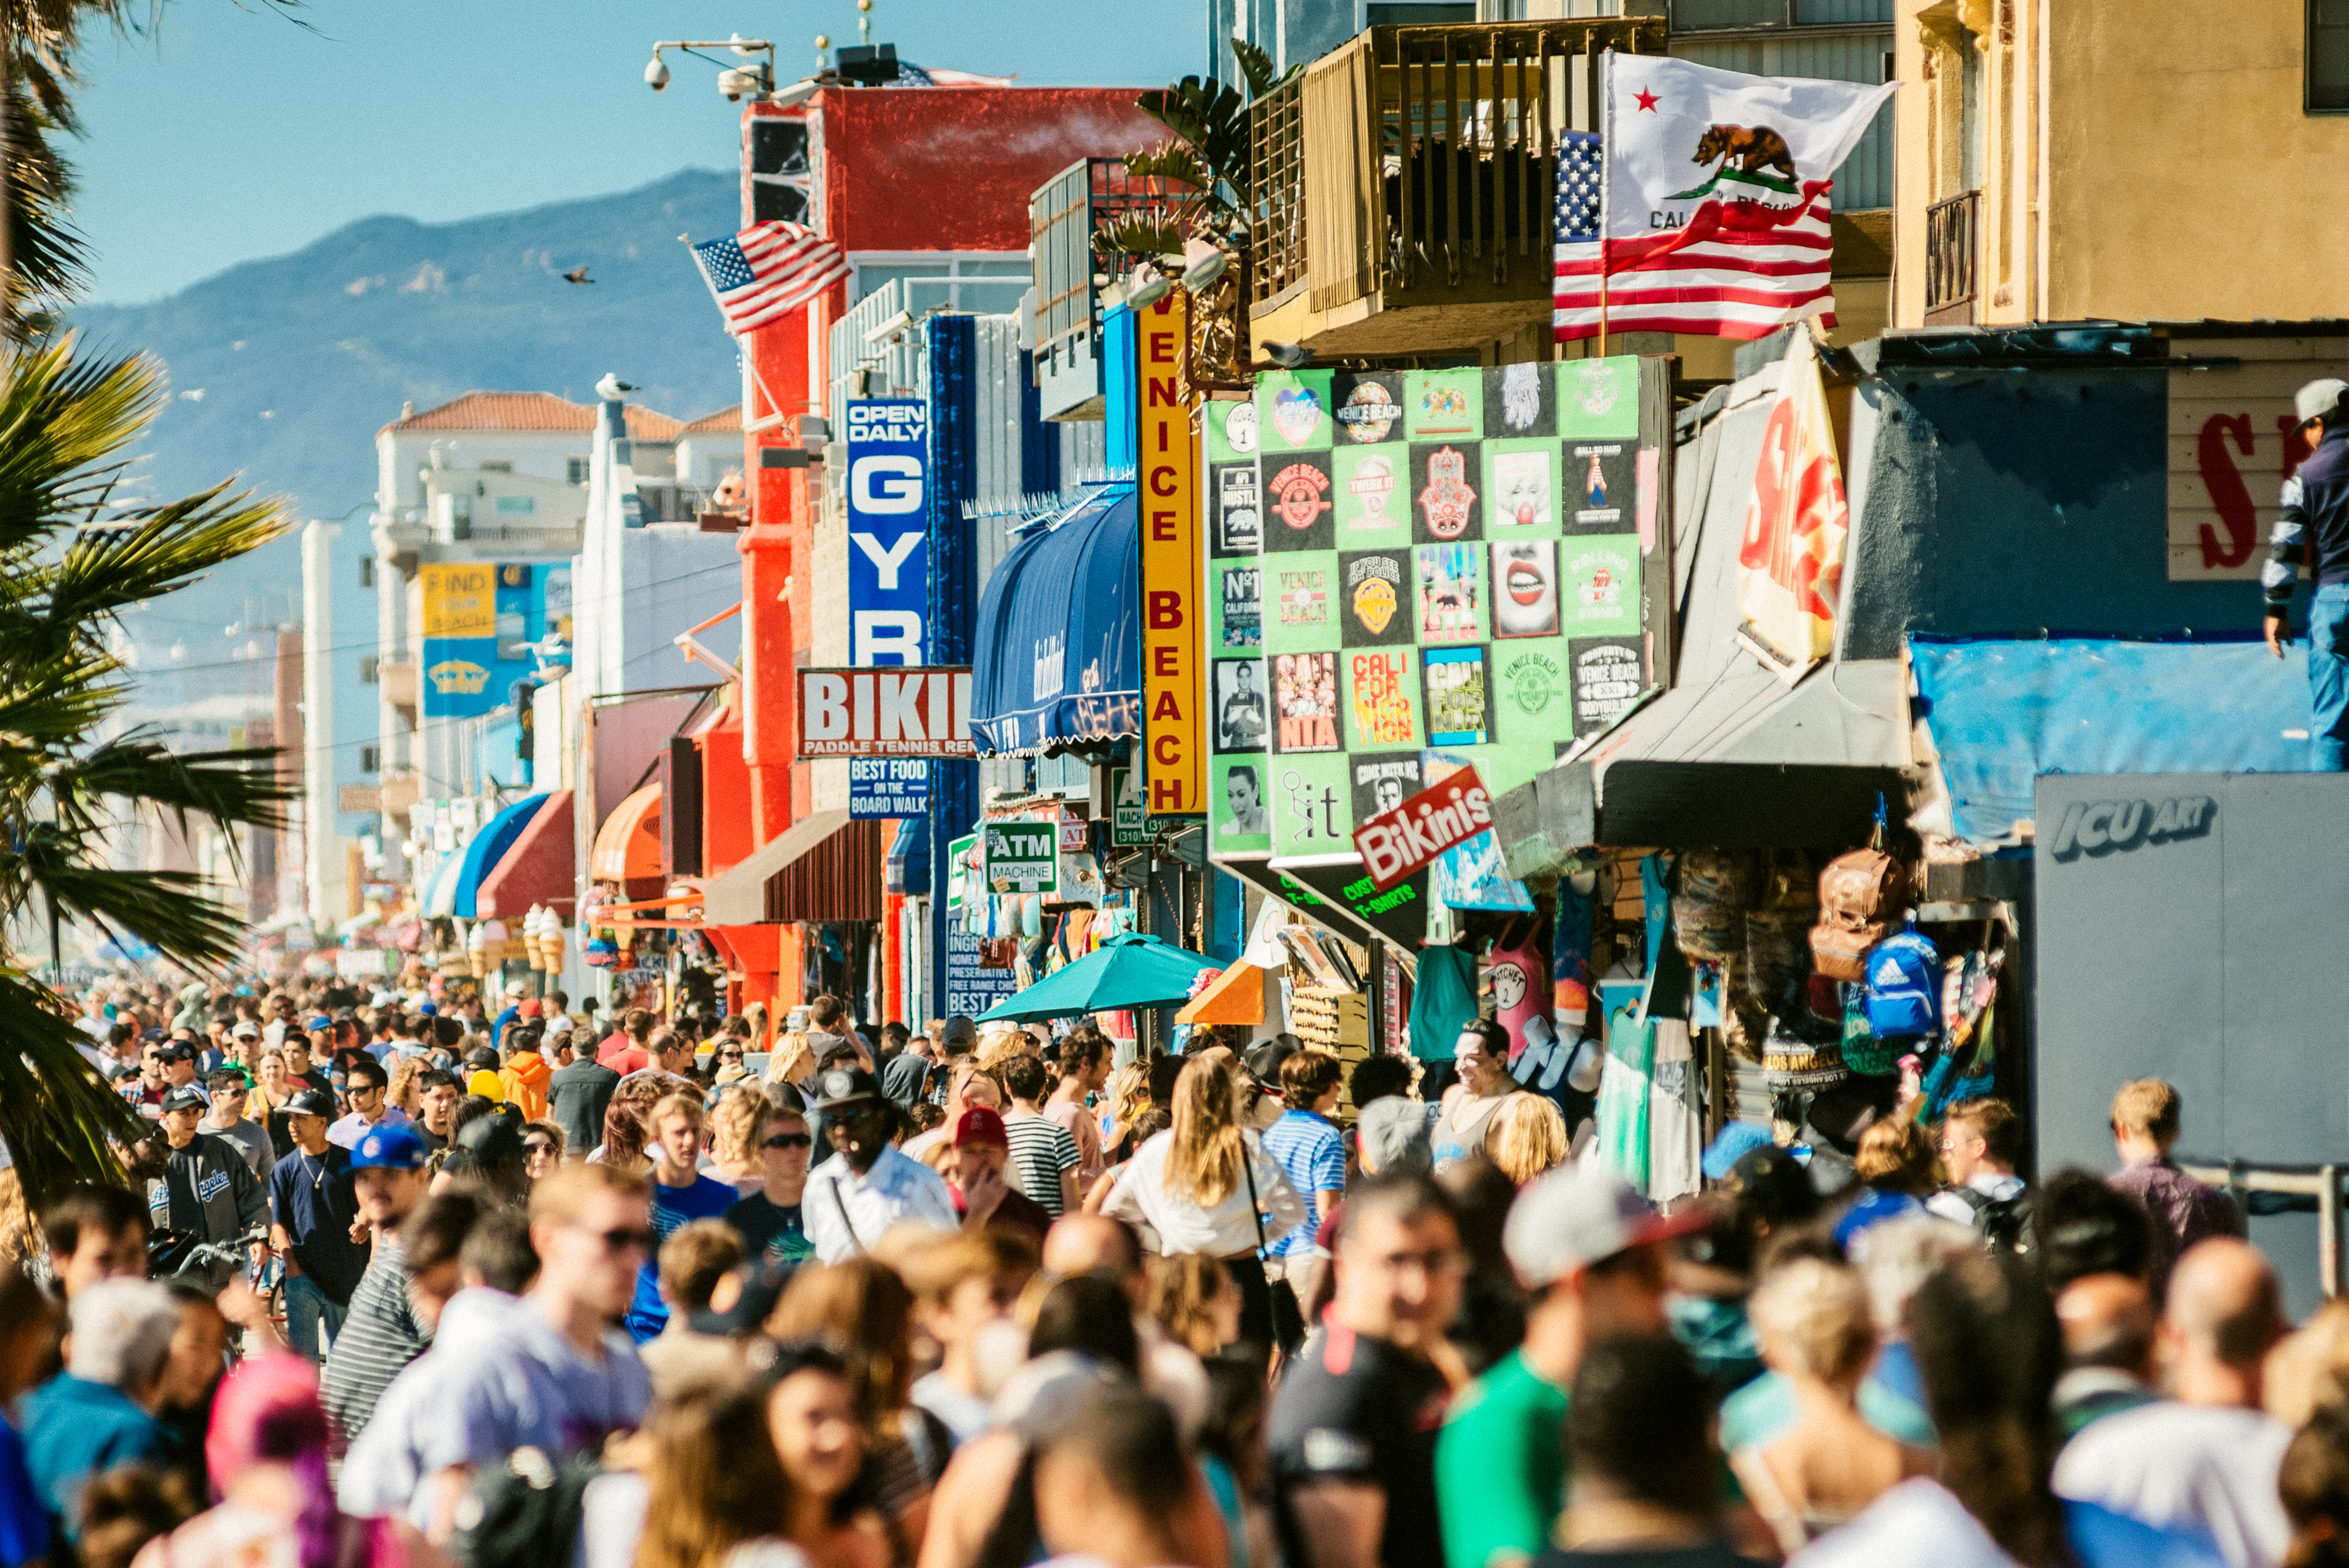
24	1522
707	1198
312	1196
1312	1155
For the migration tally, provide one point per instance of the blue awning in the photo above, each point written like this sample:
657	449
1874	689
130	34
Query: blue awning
487	847
2000	713
1058	658
441	893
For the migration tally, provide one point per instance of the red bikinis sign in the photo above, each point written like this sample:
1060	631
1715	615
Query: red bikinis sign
1396	843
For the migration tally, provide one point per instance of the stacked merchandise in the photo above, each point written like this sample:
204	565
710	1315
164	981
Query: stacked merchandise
1338	1022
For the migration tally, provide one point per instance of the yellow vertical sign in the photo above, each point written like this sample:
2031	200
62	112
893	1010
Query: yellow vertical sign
1174	598
460	600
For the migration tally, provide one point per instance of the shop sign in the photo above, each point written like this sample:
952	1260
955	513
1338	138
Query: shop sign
959	856
972	987
880	788
1125	827
1174	594
888	518
1396	843
922	712
2232	440
1022	857
2101	827
483	622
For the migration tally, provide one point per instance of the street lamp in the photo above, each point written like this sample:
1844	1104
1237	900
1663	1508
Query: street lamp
735	82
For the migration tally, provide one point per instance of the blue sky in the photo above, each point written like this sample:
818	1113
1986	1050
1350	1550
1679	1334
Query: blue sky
232	133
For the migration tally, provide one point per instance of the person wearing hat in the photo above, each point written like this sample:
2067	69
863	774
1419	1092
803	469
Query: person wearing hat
868	1185
982	1148
229	1090
179	1059
147	1090
315	1204
382	1331
2313	528
1589	1251
208	1193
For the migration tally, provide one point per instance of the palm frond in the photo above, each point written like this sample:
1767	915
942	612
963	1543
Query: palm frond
155	550
65	425
63	1123
231	787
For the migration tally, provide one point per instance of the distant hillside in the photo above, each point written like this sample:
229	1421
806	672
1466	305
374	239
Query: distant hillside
282	370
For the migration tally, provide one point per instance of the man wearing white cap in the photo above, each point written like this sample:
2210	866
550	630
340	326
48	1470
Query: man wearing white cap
1591	1252
2313	528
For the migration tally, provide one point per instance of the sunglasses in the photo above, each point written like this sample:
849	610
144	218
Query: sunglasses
627	1240
791	1140
730	1055
537	1146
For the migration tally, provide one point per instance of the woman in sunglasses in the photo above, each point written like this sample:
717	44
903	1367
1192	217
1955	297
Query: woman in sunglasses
769	1219
542	1147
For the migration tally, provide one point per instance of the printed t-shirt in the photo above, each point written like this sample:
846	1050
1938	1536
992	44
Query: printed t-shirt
707	1198
1358	1409
771	1230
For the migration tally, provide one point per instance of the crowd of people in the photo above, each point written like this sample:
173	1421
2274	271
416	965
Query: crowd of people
511	1285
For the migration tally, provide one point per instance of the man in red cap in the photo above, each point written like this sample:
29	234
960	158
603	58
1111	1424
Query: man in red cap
982	1147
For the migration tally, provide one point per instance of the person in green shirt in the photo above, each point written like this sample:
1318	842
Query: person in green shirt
1590	1249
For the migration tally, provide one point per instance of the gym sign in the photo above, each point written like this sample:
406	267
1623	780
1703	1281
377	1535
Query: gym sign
2101	827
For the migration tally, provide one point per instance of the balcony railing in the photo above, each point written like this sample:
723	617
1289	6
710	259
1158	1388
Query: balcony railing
1418	165
1949	251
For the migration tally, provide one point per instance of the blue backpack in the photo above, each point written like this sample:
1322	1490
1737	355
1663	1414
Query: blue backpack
1904	986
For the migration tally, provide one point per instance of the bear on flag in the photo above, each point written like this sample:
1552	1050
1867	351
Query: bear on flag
1712	197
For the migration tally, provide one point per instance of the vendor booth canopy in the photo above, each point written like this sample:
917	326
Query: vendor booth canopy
628	848
441	893
2003	714
1131	969
538	869
1057	660
1234	996
824	867
487	849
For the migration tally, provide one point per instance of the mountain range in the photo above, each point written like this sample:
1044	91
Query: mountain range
282	370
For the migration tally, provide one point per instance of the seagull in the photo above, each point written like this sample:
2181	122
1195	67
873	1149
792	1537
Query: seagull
611	388
577	274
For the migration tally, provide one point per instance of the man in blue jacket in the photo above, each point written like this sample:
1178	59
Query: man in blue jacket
2312	529
99	1413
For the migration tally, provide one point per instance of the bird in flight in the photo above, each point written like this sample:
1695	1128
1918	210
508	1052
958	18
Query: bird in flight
577	274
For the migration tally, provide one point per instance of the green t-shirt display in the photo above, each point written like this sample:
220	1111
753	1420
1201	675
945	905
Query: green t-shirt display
1500	1465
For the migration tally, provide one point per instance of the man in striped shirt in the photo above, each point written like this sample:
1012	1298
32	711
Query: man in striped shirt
1312	1155
382	1331
1044	1155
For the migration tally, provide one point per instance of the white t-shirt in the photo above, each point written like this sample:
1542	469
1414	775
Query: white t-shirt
1226	1230
2188	1466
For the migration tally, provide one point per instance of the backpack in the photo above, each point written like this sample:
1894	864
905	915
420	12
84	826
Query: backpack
1860	894
2006	1223
1904	986
525	1513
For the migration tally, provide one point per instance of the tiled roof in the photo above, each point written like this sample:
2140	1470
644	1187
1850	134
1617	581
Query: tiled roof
530	411
726	421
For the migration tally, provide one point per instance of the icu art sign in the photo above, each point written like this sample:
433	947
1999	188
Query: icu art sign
2101	827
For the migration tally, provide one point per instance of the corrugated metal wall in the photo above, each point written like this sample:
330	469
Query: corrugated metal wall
1866	181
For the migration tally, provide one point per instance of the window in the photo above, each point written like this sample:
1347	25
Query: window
497	465
574	470
2328	57
367	571
987	285
371	670
370	759
517	506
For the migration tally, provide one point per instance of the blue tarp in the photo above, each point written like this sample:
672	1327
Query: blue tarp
2002	712
487	847
1058	658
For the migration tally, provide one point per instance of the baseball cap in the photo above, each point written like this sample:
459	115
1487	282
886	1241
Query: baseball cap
979	1125
959	1032
1392	1133
762	1287
154	1032
397	1148
2320	400
845	1087
1574	1217
176	1051
184	1099
317	1021
528	1010
246	1030
310	1102
1732	1144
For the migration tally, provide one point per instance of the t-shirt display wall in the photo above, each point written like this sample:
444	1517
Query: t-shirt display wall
1412	571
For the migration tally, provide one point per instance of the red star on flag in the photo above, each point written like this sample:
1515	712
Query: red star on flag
1647	100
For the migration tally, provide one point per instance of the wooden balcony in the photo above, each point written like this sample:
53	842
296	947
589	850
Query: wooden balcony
1949	251
1404	184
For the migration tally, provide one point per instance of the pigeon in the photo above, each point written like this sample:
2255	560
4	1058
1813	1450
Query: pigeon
611	388
577	274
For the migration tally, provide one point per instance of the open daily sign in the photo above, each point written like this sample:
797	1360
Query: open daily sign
1396	843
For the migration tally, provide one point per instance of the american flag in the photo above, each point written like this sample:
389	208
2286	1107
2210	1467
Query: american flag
768	269
1713	278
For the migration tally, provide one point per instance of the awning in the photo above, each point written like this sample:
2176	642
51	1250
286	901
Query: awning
628	846
485	849
1057	660
1739	762
822	868
540	868
1234	996
2000	713
440	894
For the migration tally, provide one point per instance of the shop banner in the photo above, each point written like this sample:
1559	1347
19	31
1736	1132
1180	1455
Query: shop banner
889	560
971	986
1791	561
1173	554
885	714
2233	439
1394	844
880	788
1022	857
1126	830
958	888
482	624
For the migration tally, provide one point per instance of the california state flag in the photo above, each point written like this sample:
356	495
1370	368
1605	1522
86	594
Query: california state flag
1790	562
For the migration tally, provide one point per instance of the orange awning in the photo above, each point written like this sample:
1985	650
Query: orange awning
1234	996
538	870
628	846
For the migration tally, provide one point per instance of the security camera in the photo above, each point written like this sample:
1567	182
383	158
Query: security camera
734	84
657	74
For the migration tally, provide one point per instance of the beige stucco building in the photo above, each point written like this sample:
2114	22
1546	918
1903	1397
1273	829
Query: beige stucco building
2111	160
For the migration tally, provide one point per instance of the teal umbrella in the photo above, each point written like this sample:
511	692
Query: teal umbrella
1127	971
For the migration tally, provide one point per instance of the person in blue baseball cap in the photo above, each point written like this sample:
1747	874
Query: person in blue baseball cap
381	1330
1732	1144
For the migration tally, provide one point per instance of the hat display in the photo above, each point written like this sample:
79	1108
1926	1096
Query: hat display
399	1147
186	1099
845	1087
310	1102
1575	1217
979	1125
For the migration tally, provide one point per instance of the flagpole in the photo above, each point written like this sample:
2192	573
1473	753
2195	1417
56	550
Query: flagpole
1606	118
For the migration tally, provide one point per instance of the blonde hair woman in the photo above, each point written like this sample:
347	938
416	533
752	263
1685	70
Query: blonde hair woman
1528	1135
1127	1096
1207	1185
734	1126
1195	1301
404	1092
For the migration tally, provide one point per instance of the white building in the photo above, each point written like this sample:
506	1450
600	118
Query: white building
342	740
